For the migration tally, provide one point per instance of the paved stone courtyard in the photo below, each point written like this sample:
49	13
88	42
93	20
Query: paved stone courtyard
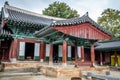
45	77
41	77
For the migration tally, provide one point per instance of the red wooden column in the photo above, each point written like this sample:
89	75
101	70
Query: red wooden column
92	54
101	59
3	23
42	51
44	54
13	51
64	53
76	54
51	55
82	54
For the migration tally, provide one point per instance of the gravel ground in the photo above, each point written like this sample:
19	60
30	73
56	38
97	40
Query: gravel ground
42	77
34	78
115	74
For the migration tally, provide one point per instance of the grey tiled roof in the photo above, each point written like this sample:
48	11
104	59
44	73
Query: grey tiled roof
108	45
17	14
20	15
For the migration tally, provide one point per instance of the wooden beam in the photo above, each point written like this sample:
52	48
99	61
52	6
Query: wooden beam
51	34
58	41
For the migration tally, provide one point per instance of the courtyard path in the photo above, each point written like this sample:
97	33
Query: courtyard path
41	77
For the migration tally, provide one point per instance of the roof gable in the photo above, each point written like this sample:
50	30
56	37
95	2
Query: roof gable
83	30
85	18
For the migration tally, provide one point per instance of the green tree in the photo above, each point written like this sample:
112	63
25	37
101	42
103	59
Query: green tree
110	19
60	9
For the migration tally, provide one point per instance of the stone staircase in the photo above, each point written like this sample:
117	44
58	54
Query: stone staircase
30	71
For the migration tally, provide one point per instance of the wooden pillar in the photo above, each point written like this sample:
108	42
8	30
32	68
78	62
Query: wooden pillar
101	59
92	54
13	51
51	55
116	59
76	54
82	54
42	51
44	55
64	53
3	23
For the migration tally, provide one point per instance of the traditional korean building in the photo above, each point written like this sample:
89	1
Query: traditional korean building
109	52
31	36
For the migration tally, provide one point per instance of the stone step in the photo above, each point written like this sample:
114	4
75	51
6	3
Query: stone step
6	74
19	70
71	62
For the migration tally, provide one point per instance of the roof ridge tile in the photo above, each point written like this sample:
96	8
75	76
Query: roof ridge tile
30	12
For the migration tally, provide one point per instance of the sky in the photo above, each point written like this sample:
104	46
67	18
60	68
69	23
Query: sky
93	7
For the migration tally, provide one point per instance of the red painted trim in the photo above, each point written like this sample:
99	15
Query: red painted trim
29	40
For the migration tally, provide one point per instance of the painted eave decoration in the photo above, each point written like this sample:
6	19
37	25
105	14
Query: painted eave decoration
4	33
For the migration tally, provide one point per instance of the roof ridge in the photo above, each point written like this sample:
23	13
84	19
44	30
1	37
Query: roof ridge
30	12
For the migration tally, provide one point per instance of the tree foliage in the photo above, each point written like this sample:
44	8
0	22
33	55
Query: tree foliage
110	19
60	9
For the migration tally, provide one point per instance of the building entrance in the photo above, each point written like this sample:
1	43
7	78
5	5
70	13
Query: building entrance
29	51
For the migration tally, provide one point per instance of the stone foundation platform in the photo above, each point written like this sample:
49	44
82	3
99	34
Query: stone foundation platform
55	71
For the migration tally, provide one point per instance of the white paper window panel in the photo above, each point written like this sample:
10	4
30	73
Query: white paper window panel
79	51
22	49
37	49
60	51
69	51
47	49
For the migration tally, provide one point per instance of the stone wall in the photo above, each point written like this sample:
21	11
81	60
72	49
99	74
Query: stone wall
19	65
56	71
69	72
1	67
